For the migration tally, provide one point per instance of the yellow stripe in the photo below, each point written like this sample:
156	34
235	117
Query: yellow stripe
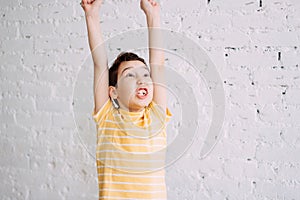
149	177
134	195
120	141
127	148
135	153
130	186
135	180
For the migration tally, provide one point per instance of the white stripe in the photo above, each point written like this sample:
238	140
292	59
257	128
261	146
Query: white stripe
128	129
118	198
136	168
130	183
136	145
131	152
115	190
129	137
135	122
135	160
132	175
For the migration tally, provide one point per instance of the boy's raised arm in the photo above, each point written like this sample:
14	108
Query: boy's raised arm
156	54
91	9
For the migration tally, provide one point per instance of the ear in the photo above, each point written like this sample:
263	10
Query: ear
113	92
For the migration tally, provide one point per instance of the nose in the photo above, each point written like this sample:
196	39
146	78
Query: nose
140	81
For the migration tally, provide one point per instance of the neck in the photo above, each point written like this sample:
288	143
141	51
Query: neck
131	109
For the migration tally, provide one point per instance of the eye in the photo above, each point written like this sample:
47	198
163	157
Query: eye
129	75
147	75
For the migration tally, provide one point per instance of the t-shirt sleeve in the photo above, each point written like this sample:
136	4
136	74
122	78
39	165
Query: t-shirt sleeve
102	112
166	114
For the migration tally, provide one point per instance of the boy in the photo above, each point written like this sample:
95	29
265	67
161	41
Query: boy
130	113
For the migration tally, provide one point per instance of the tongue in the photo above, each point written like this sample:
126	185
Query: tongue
141	93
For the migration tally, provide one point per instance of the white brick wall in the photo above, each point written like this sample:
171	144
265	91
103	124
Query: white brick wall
256	49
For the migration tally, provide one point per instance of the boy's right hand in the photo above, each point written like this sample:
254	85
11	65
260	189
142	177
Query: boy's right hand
150	7
91	7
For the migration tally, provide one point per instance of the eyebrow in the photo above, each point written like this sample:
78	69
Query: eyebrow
132	67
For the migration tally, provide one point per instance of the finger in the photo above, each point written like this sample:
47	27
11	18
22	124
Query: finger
98	2
153	3
82	4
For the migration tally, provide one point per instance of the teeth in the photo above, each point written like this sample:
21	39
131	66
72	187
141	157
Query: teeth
142	92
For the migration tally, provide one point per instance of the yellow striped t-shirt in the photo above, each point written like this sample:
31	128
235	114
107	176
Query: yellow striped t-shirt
130	152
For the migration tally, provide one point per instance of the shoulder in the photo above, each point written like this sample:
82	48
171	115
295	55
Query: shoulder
160	111
102	112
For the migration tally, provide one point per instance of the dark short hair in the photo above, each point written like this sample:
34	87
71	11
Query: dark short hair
122	57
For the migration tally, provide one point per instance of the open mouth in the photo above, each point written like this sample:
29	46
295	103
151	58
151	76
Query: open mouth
142	92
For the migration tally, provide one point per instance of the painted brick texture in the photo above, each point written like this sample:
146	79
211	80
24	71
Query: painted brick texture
47	136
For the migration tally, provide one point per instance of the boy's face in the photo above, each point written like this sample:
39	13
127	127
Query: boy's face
134	88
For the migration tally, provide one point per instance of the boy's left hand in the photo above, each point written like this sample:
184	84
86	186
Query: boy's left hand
150	7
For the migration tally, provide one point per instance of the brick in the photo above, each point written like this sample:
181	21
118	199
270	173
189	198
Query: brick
17	45
8	31
34	89
10	61
277	154
78	43
224	186
20	75
288	172
30	120
274	77
290	135
181	6
237	57
18	161
281	191
234	149
44	194
275	38
37	30
39	59
52	77
7	118
72	28
9	4
269	96
63	91
234	168
241	112
292	96
253	171
13	130
47	153
19	103
274	115
20	14
67	58
53	105
36	3
46	44
55	12
77	189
